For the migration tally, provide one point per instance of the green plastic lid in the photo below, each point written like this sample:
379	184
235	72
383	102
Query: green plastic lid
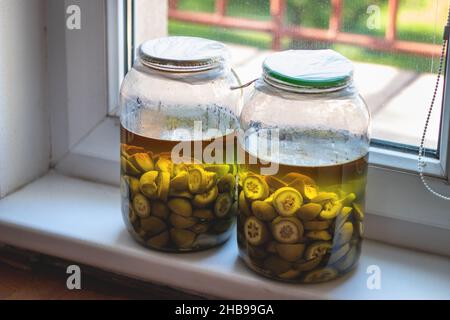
311	69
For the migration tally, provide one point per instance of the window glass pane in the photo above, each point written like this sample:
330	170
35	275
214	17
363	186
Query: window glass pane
395	46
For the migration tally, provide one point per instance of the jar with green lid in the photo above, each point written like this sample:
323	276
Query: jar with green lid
178	115
302	187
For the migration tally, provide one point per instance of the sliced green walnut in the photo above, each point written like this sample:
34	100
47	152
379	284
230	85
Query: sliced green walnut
201	227
223	205
183	239
348	260
317	249
152	225
160	210
181	222
163	182
290	274
129	150
255	231
290	252
141	205
129	185
309	191
148	184
128	168
132	216
255	187
348	199
203	200
180	167
227	183
339	253
256	253
181	194
317	225
276	265
320	275
323	197
263	210
180	206
159	241
164	164
294	177
197	180
222	225
309	211
318	235
272	247
180	181
287	230
219	169
274	183
358	212
243	205
203	214
287	201
344	234
331	212
142	161
343	217
307	265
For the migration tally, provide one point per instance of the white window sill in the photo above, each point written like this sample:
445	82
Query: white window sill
81	221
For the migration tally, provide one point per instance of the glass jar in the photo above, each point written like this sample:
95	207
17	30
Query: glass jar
302	187
178	121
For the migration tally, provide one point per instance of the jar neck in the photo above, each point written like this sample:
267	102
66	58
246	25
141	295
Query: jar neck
282	85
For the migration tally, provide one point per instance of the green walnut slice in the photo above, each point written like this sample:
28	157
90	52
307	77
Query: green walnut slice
309	211
222	225
164	164
203	214
274	183
317	249
129	150
319	235
223	205
219	169
160	210
199	228
348	261
203	200
141	205
256	253
287	201
358	212
323	197
348	199
227	183
181	222
255	231
255	187
292	177
339	253
263	210
343	217
344	234
331	212
287	230
320	275
128	168
152	225
317	225
148	184
307	265
141	161
180	181
197	180
272	247
181	194
180	206
132	216
183	239
290	274
276	265
243	205
163	182
159	241
290	252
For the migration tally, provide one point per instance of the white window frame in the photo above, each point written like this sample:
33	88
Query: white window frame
398	207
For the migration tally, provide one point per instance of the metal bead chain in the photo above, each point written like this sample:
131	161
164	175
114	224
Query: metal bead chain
421	163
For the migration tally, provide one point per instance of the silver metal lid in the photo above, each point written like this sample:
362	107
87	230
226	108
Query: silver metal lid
183	54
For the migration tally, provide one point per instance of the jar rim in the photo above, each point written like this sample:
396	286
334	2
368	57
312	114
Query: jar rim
183	54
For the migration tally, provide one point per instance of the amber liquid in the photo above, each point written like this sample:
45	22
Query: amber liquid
325	249
183	216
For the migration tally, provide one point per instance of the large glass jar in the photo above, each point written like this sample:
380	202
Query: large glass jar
178	115
302	187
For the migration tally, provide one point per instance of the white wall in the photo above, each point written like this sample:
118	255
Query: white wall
24	130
